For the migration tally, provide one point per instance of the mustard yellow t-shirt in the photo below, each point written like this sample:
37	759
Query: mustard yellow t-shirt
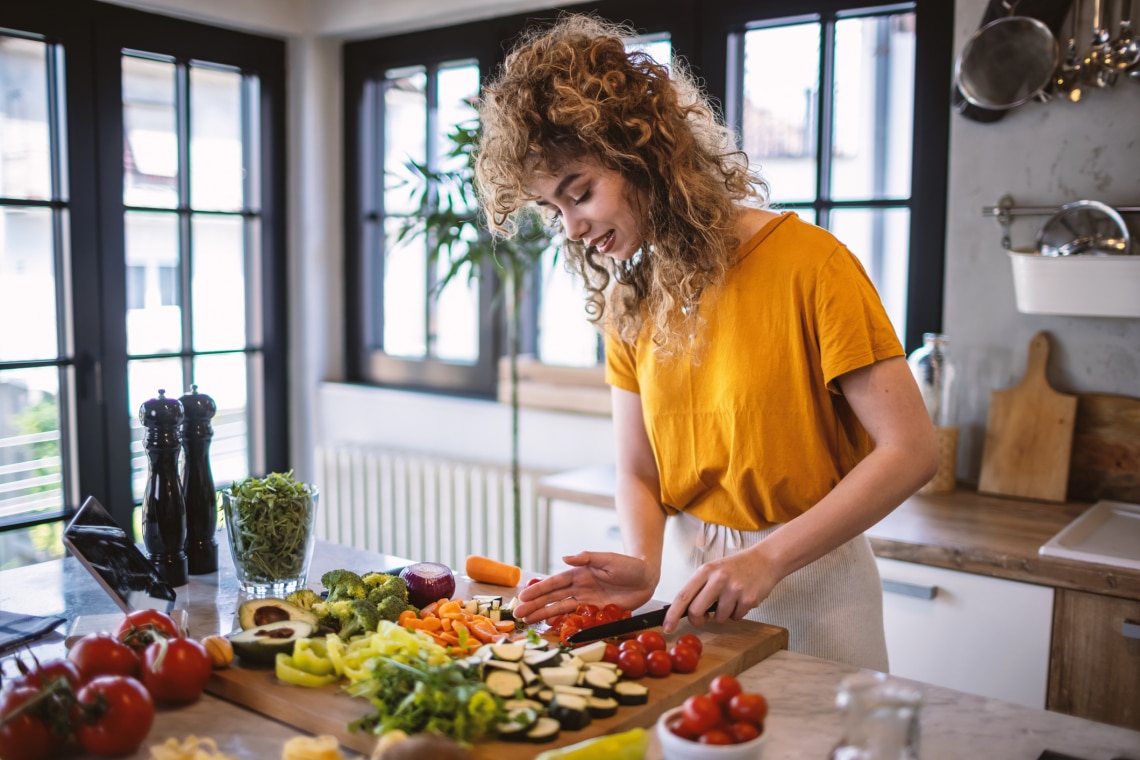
757	431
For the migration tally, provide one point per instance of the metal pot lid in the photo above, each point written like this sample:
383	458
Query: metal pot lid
1084	227
1006	63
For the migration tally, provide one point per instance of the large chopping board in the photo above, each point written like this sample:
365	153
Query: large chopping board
728	648
1106	449
1029	435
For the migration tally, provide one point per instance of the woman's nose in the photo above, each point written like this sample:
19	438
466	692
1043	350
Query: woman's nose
576	227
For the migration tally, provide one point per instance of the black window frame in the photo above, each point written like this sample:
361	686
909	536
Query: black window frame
93	36
698	31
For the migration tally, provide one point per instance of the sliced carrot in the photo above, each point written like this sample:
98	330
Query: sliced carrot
505	626
484	633
405	616
445	623
448	608
429	609
415	624
431	624
450	638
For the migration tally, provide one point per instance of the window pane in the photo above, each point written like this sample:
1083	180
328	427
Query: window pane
457	88
39	543
565	335
144	379
657	47
31	469
457	316
405	130
218	282
152	246
778	120
215	139
27	285
223	377
25	137
881	240
405	295
150	153
874	102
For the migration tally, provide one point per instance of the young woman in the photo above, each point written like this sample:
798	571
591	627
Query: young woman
761	398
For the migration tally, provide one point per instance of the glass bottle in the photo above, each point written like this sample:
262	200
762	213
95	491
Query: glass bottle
164	513
882	718
198	491
935	373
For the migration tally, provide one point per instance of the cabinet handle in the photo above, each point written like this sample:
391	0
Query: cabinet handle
1130	630
909	589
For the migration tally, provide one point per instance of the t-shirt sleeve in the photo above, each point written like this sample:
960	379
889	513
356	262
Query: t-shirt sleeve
621	364
853	327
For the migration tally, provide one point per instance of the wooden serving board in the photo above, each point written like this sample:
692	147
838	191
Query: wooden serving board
1029	435
1106	449
728	648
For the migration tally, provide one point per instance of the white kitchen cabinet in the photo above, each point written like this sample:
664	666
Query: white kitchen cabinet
969	632
578	527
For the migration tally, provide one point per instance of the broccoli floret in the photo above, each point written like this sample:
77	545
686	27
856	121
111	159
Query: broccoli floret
390	607
344	584
381	586
354	616
305	598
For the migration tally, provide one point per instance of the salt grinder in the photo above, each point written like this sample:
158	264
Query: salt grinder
164	512
198	492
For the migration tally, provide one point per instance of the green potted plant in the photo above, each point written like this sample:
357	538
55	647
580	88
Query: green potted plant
447	215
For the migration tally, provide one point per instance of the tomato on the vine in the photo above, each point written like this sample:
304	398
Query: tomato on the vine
26	736
176	670
48	671
116	715
700	714
632	663
98	654
658	663
684	658
652	640
141	627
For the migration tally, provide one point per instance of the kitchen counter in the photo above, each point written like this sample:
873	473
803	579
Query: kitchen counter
803	722
963	530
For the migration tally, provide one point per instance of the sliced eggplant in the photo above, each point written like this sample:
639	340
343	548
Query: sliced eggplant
542	658
602	708
571	711
508	652
630	693
514	667
593	652
545	730
517	724
577	691
511	705
545	696
505	683
529	676
560	676
601	681
533	691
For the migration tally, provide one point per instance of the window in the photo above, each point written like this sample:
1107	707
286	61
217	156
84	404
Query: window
138	251
842	108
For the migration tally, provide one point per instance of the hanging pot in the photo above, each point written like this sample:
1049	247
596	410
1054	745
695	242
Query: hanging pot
1007	62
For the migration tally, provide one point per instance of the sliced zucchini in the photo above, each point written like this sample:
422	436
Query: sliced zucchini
545	730
471	606
630	693
602	708
560	676
505	683
593	652
571	711
508	652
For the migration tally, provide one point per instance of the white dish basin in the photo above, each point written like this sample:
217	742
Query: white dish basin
1108	533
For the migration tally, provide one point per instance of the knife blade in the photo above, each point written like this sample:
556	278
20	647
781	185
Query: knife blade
632	624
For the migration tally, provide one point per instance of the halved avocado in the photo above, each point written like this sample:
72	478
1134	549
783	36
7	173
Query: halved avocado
259	612
262	644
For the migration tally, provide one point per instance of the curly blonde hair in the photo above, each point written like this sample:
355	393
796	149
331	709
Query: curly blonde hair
571	92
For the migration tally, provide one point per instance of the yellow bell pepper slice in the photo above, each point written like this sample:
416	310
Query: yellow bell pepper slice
311	656
628	745
287	671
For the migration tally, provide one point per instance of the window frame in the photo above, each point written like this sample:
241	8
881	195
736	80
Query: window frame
93	36
699	31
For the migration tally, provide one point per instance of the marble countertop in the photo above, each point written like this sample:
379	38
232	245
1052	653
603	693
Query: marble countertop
803	722
962	530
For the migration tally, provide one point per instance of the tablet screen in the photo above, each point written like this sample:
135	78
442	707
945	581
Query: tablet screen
108	553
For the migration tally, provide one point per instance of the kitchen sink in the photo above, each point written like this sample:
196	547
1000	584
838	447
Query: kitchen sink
1108	533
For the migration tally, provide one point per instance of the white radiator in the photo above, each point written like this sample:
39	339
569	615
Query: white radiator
427	508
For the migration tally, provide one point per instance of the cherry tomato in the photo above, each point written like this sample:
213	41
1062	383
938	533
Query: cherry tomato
632	644
749	707
580	620
99	654
684	659
676	725
176	670
139	628
743	731
123	725
532	581
615	612
658	663
25	736
632	663
652	641
611	653
723	688
715	736
568	629
556	622
626	614
691	640
603	617
587	611
701	714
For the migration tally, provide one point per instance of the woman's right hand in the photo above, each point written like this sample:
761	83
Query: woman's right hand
598	578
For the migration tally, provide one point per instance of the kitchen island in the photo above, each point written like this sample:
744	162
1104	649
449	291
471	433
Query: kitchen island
803	721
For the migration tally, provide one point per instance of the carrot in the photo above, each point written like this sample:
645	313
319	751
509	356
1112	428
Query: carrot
448	608
405	616
505	626
487	570
429	609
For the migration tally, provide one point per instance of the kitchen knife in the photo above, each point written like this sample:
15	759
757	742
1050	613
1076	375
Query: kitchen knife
632	624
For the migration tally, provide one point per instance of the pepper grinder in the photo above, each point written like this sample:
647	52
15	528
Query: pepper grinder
198	492
164	512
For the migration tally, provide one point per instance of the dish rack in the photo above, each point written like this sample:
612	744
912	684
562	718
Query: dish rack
1083	286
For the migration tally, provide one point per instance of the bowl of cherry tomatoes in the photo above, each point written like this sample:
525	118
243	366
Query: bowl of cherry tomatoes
726	723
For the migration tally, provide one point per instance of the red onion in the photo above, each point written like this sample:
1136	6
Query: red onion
428	582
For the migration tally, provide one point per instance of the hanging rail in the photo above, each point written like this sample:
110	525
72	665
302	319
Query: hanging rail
1006	210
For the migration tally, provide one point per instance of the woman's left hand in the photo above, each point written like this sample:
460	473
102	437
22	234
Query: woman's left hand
737	584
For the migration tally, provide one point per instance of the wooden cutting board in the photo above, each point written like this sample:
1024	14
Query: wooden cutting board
1029	435
1106	449
728	648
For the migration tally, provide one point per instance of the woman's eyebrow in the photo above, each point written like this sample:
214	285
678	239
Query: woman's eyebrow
561	189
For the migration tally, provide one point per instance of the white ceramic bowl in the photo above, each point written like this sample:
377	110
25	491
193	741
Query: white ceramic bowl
674	747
